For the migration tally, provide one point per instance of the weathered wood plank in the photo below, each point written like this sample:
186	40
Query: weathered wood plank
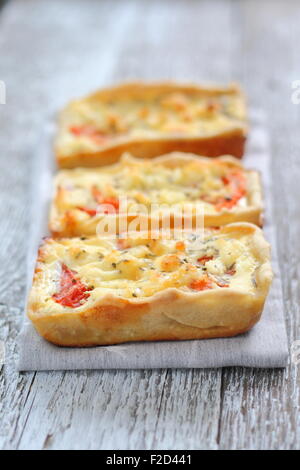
64	51
260	409
189	413
93	410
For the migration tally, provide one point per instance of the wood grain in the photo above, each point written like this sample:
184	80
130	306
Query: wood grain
261	408
57	52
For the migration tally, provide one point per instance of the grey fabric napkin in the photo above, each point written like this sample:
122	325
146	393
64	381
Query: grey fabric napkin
264	346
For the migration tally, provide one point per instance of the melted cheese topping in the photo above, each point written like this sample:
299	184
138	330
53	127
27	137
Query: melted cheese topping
92	123
139	267
205	183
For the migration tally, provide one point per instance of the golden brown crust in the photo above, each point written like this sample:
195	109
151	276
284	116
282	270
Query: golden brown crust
115	326
230	141
171	314
140	89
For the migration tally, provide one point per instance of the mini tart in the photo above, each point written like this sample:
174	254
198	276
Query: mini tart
220	190
94	292
148	120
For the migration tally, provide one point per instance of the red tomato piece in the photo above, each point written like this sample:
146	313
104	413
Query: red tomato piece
204	259
72	292
91	212
108	201
87	130
237	182
201	284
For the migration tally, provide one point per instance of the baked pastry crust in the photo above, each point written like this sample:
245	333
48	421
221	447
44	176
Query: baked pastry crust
148	120
73	211
175	310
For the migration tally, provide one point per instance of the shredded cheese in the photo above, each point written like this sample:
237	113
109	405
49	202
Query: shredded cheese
141	267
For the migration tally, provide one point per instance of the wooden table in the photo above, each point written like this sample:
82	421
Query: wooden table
51	51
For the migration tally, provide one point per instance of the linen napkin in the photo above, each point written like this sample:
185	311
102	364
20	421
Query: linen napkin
264	346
